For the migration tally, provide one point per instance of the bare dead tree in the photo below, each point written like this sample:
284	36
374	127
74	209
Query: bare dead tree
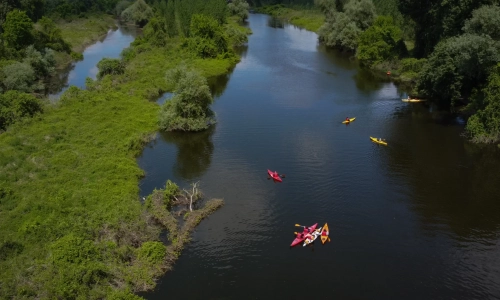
194	194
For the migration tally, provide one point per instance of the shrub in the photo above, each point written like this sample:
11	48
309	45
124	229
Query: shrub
139	12
110	66
239	8
20	77
189	108
151	252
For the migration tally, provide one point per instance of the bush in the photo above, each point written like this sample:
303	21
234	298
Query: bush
485	20
457	66
110	66
484	126
139	12
340	32
208	38
20	77
239	8
152	252
189	108
379	42
155	32
76	56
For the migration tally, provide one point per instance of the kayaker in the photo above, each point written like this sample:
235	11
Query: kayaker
347	119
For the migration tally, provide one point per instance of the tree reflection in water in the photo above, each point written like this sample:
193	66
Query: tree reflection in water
194	151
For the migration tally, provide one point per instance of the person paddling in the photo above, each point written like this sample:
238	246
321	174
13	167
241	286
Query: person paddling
347	119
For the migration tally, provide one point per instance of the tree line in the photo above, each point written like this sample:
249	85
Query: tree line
450	50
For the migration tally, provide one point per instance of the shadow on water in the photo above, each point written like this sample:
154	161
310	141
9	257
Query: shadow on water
367	82
276	23
194	151
453	182
338	58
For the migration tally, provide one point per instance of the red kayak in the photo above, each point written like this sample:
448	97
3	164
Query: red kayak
302	236
274	175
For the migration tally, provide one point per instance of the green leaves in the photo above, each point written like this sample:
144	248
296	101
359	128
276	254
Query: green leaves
18	30
379	42
189	108
484	126
239	8
485	20
110	66
139	12
457	66
342	29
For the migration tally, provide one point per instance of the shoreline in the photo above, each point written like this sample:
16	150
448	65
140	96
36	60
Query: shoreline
69	184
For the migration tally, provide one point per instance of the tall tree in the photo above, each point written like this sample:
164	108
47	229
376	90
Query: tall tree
18	29
437	19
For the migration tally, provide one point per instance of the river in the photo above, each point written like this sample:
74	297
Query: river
417	219
109	46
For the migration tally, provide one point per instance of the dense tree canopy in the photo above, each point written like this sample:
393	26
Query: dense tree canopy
342	29
379	42
485	20
484	126
457	66
17	30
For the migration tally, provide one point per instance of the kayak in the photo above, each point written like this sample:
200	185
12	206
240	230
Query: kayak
350	120
311	237
302	236
375	140
324	234
274	175
412	100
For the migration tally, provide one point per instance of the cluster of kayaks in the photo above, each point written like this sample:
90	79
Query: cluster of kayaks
375	140
310	234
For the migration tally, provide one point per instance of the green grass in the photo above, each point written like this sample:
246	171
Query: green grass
80	33
83	32
310	19
70	217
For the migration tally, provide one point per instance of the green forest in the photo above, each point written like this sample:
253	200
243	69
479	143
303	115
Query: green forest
446	51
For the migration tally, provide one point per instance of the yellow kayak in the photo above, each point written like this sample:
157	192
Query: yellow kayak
412	100
324	234
375	140
350	120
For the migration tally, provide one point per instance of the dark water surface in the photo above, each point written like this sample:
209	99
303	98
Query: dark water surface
418	219
110	46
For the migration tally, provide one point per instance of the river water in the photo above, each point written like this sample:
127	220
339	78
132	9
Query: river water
109	46
417	219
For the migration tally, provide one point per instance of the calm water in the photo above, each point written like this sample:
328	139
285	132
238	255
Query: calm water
110	46
418	219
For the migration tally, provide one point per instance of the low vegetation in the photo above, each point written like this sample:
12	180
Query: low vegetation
72	223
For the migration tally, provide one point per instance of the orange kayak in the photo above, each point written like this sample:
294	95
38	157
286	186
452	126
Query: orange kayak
324	234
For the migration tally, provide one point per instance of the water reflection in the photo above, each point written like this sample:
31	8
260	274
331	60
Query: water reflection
218	84
366	81
110	46
453	182
194	152
276	23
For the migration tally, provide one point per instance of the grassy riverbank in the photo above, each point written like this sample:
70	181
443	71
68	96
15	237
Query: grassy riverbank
80	33
310	19
71	221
